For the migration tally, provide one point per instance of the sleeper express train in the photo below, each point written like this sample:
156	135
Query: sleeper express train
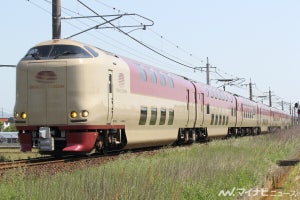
73	98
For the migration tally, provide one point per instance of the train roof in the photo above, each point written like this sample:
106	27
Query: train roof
61	41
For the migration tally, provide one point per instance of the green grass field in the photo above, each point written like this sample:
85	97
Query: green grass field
15	154
221	169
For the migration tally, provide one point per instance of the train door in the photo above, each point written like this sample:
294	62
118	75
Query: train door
110	99
258	116
242	114
188	106
200	110
238	112
191	108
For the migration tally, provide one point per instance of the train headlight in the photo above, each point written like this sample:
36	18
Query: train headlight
84	113
23	115
73	114
16	115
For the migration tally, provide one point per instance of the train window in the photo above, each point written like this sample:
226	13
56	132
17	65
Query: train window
171	117
212	119
163	114
38	53
110	83
92	51
170	82
227	120
162	79
142	72
153	116
152	77
68	51
220	120
216	120
143	115
207	109
223	120
55	52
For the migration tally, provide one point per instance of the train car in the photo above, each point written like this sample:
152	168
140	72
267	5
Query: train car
279	120
73	98
247	122
216	110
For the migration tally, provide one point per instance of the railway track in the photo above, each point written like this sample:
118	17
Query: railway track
40	166
50	165
53	165
27	162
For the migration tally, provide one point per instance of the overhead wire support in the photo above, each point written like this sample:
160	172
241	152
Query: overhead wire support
117	16
7	65
141	43
94	27
208	66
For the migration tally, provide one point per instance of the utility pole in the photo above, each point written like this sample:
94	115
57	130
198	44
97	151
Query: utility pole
250	91
207	69
56	19
207	72
270	98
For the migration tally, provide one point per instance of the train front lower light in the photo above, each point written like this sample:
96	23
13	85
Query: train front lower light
23	115
16	115
84	113
73	114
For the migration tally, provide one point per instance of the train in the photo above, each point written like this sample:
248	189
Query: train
73	98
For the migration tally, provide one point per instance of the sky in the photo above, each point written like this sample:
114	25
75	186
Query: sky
243	39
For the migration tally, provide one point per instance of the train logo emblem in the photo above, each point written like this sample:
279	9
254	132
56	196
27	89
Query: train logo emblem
45	77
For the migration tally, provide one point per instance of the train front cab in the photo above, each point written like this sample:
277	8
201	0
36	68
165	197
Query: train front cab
59	102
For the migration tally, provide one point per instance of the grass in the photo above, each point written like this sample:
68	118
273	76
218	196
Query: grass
196	172
15	154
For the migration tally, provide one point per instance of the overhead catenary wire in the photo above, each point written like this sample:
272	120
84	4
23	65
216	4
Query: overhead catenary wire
162	53
146	57
160	36
136	40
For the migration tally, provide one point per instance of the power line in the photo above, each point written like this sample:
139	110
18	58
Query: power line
8	66
148	46
136	40
160	36
163	54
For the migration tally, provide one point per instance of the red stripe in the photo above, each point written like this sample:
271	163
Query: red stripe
75	127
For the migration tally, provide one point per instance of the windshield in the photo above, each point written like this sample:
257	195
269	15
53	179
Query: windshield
56	52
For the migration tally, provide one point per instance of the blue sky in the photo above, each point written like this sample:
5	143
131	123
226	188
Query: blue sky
257	40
